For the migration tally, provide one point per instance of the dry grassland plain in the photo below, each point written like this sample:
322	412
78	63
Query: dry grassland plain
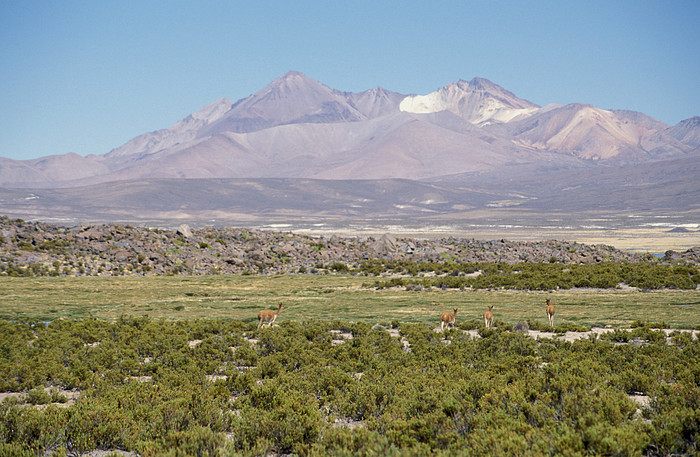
328	297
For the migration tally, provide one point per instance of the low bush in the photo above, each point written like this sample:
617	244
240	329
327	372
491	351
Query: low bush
534	276
144	386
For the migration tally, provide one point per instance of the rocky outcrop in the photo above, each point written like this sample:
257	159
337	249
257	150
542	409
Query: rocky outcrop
33	248
692	255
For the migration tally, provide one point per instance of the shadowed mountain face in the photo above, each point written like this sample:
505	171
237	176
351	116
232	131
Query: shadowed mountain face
479	142
687	132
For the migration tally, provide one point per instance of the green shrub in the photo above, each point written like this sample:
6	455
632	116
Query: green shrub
144	389
38	396
288	420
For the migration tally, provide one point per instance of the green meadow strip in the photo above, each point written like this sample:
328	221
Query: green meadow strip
328	297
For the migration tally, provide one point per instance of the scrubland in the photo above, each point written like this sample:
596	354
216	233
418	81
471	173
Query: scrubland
174	365
222	387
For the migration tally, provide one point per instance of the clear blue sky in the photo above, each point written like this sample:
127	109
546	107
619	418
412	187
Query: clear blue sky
87	76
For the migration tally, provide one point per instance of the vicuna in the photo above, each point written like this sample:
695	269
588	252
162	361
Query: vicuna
488	317
447	318
550	313
268	316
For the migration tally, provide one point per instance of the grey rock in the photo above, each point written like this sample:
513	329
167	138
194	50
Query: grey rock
185	231
521	327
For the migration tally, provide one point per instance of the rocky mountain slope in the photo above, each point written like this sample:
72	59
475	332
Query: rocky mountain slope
299	149
38	249
687	131
296	127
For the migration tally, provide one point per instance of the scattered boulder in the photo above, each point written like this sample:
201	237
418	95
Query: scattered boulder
521	327
185	231
122	256
109	250
384	246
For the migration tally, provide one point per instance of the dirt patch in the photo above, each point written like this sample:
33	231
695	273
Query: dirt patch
216	377
394	333
570	336
575	336
104	453
694	334
348	423
142	378
340	337
70	396
640	399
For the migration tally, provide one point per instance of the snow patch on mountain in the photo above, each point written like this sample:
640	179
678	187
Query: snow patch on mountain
475	101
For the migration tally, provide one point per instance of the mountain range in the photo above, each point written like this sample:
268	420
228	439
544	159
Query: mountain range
472	145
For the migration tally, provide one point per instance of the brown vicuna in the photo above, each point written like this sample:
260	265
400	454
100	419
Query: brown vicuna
268	316
447	318
550	313
488	317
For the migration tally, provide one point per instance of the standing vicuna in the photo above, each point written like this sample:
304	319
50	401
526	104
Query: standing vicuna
488	317
268	316
447	318
550	313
